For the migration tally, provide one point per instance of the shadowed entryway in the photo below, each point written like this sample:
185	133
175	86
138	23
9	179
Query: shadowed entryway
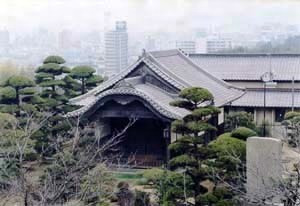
143	142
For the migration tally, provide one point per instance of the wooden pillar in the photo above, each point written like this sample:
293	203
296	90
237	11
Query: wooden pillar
167	137
102	128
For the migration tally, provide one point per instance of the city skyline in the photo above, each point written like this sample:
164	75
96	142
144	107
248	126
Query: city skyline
145	15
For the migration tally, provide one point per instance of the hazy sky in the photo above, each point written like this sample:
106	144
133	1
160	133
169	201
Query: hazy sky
145	15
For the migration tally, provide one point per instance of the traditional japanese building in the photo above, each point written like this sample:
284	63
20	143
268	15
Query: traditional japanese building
246	71
143	92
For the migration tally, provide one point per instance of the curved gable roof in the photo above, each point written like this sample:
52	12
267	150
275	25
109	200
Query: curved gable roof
155	97
180	67
173	67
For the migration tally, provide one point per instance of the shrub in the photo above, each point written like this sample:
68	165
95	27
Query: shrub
153	175
98	185
291	115
207	199
239	119
183	161
219	197
225	144
243	133
226	149
169	185
141	198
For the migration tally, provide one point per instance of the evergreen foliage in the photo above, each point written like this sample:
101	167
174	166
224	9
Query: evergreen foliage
227	161
243	133
49	77
170	186
188	153
234	120
86	76
292	124
20	84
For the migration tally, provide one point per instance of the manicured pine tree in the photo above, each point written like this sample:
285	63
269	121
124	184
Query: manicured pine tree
16	92
190	151
72	87
50	77
87	77
20	84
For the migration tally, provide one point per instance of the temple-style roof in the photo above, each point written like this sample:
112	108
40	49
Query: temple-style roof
154	96
274	98
178	66
250	67
175	69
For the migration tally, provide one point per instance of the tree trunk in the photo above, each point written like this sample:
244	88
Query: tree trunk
26	198
17	96
82	86
18	113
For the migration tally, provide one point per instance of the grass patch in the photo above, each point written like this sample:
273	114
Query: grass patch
128	176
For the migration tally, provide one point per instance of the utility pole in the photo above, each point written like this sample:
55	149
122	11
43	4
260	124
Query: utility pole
264	123
293	93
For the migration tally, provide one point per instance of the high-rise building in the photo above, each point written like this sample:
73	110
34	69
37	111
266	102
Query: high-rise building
4	38
65	39
116	49
186	46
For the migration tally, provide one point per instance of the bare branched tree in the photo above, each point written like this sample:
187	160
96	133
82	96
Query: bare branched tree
76	161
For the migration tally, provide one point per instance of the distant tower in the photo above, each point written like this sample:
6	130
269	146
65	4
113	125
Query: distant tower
107	21
116	49
4	38
65	39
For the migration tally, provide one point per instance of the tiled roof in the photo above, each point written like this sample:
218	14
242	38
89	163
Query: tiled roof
179	66
156	97
173	67
250	66
274	98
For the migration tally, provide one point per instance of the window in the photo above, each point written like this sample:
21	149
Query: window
279	114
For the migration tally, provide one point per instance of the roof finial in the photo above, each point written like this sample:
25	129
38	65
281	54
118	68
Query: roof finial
143	54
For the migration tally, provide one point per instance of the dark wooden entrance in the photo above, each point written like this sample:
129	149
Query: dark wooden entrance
143	143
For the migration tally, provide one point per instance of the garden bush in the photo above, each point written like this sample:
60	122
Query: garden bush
243	133
225	144
153	175
142	198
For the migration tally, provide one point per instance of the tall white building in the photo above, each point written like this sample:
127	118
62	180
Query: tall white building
186	46
116	49
65	39
4	38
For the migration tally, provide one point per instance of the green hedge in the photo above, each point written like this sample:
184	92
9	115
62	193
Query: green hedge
225	145
243	133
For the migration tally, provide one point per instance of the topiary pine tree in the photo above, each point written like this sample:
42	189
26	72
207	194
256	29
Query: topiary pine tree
50	77
190	151
18	94
86	76
21	85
